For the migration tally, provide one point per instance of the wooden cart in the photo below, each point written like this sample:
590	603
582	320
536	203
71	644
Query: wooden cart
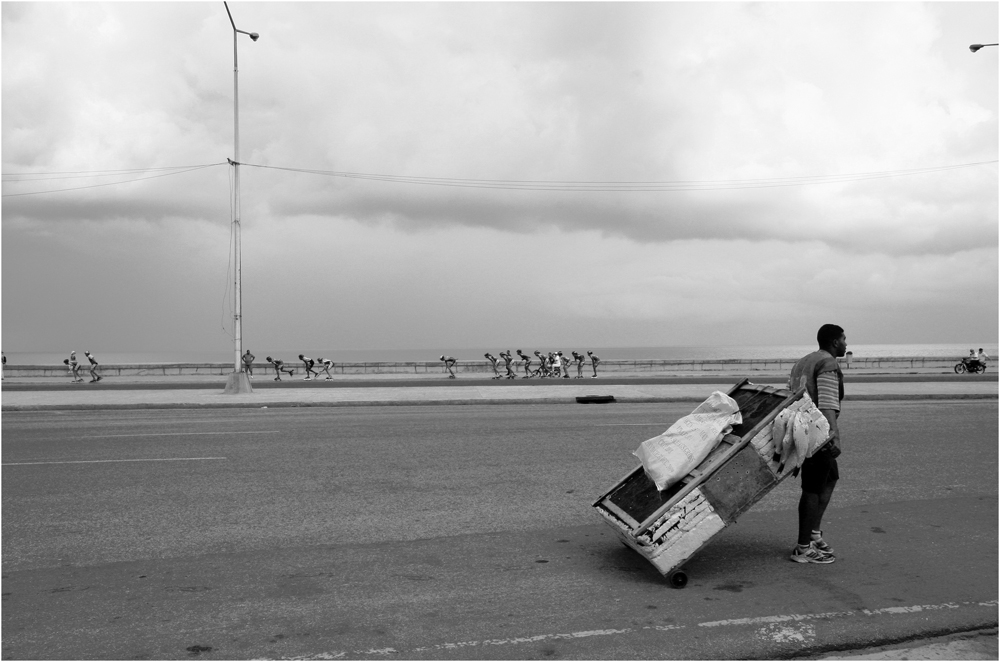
669	527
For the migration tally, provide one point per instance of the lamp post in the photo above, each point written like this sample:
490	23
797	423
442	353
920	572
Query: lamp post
238	381
976	47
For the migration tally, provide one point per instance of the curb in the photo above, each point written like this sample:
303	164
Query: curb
452	402
973	644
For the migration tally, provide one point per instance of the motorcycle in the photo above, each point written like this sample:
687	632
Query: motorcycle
973	366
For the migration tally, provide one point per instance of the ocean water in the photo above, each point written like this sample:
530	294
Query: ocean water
952	350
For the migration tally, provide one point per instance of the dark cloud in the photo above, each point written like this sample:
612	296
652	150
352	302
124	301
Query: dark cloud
569	92
948	223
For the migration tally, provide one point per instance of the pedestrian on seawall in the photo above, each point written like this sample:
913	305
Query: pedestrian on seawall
279	367
248	363
308	363
449	363
594	361
822	378
507	363
93	367
493	362
563	364
527	364
74	367
542	370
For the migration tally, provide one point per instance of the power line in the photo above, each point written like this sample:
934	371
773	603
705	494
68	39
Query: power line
506	184
177	170
76	174
624	186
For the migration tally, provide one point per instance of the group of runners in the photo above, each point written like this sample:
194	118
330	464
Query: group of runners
308	366
74	367
553	364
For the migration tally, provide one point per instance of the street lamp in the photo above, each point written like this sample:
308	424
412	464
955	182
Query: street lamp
976	47
238	381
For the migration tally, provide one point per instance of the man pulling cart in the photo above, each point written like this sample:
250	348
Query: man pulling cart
668	526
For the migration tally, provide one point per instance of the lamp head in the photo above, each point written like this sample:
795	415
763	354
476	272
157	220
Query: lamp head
254	36
975	47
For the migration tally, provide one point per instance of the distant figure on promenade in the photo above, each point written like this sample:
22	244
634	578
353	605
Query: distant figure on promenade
566	364
279	367
493	362
507	361
3	363
820	374
449	362
563	364
308	363
93	367
248	363
74	367
527	363
546	364
579	364
594	361
982	356
849	356
327	364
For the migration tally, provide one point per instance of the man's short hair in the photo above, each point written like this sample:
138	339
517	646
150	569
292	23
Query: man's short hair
828	333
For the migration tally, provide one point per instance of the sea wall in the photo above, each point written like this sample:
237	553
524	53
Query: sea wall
657	366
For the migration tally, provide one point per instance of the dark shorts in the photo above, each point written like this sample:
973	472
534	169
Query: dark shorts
819	473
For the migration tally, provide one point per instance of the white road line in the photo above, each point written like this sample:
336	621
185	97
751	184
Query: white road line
834	614
520	640
174	434
761	620
151	459
734	622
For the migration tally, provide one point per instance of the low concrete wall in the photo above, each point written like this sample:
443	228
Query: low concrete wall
658	366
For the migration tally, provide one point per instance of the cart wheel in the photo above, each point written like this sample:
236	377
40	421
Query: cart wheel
960	368
677	579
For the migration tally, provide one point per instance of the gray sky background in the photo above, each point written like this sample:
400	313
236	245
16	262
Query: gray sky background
759	108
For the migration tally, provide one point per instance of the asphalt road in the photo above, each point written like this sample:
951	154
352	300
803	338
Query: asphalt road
466	533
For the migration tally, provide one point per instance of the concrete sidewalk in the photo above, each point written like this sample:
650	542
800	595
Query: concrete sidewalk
85	396
980	645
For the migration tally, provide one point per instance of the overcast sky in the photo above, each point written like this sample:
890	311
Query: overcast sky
797	160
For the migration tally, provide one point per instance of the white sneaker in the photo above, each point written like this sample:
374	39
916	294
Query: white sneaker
810	554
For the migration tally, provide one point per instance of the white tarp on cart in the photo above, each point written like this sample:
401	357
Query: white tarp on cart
684	445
